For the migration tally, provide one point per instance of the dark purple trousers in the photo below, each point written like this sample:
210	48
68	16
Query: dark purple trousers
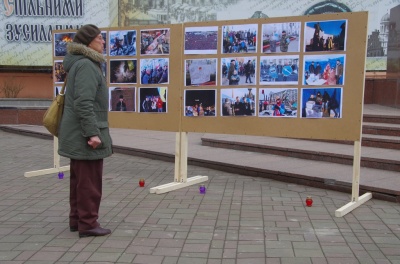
85	193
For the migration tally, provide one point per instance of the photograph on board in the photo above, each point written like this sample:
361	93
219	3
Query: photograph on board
277	102
239	71
199	72
122	43
155	41
60	43
153	100
276	70
122	99
200	102
201	40
57	90
238	102
325	35
104	35
326	69
321	102
103	67
59	72
239	38
154	71
123	71
281	37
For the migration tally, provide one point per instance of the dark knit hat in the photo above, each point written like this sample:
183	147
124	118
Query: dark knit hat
86	34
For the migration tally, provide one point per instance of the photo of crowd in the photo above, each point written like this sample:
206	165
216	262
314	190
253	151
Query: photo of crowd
325	35
155	41
281	37
153	71
201	40
122	99
327	69
321	103
153	100
60	43
200	72
239	38
59	72
277	102
279	69
239	71
200	102
123	71
238	102
122	43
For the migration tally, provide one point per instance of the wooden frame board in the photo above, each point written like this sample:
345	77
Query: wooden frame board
346	127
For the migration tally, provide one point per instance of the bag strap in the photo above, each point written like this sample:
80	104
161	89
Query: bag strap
63	87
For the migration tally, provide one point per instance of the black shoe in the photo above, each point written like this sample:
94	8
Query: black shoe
73	228
98	231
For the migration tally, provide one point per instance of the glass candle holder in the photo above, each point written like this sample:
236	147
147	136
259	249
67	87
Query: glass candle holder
202	189
141	182
61	175
309	201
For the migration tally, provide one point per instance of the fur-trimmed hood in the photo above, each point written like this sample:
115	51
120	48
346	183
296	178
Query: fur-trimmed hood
77	51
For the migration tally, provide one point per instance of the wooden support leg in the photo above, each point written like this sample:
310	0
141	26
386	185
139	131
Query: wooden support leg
356	201
56	164
180	175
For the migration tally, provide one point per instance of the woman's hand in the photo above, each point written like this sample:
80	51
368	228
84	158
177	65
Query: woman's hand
94	141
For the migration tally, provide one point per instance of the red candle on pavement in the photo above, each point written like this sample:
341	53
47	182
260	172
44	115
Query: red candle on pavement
309	201
141	182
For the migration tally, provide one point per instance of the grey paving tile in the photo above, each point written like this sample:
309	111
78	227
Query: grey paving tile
126	258
188	260
297	260
170	260
8	256
148	259
167	251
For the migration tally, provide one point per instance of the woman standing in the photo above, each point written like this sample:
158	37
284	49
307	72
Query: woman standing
84	134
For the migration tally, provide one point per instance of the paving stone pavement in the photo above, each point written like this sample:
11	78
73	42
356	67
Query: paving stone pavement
240	219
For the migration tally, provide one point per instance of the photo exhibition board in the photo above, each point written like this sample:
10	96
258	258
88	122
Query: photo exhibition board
296	77
143	73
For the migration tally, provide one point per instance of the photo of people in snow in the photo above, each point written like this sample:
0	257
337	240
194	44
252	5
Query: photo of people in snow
277	102
122	43
239	38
